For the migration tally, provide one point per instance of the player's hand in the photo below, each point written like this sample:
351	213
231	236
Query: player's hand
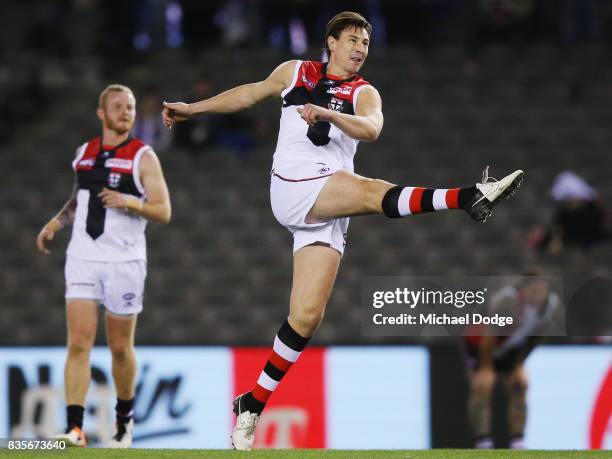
484	378
174	112
313	113
46	234
113	199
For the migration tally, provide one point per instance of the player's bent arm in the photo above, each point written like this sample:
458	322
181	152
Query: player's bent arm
367	123
64	218
157	206
247	95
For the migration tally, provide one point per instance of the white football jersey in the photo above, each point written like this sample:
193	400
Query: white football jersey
109	235
324	142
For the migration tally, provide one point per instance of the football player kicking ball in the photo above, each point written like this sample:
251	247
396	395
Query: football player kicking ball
327	109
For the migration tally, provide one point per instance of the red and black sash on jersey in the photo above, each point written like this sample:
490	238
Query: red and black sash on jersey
93	174
313	86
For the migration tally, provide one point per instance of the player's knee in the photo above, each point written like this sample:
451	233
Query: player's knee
373	190
309	318
483	389
79	345
121	351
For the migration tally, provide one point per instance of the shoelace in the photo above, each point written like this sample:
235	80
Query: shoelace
485	176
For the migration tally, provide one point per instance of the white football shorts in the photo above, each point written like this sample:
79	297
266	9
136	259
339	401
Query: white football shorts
294	189
119	286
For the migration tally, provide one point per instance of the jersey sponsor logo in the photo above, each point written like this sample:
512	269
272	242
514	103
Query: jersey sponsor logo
114	179
346	90
87	162
336	104
119	163
323	170
307	82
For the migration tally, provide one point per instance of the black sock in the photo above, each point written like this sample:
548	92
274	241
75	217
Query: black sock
466	195
74	415
252	404
124	410
389	202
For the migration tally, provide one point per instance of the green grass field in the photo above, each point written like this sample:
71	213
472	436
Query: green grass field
312	453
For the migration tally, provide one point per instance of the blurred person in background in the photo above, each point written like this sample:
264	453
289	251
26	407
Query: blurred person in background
119	187
327	109
535	307
195	133
497	21
148	126
579	219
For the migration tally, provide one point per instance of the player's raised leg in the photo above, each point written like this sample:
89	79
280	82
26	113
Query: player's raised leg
347	194
120	334
82	320
314	273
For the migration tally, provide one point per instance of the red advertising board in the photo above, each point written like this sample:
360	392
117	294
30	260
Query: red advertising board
295	414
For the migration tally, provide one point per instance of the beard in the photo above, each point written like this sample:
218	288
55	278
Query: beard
120	127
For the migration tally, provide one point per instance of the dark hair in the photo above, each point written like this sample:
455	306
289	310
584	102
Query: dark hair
341	21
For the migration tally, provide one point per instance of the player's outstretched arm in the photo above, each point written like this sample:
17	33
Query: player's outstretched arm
365	125
157	206
64	217
233	100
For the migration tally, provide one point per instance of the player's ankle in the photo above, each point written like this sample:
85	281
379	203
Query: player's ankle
252	404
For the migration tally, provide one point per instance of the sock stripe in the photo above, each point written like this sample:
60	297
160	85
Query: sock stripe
266	382
427	200
285	351
439	199
415	200
273	372
291	338
279	362
391	200
403	202
452	198
261	394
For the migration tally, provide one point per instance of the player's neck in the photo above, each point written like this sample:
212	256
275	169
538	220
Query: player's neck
112	138
337	72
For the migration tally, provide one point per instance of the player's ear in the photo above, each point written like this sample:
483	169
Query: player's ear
100	113
331	43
